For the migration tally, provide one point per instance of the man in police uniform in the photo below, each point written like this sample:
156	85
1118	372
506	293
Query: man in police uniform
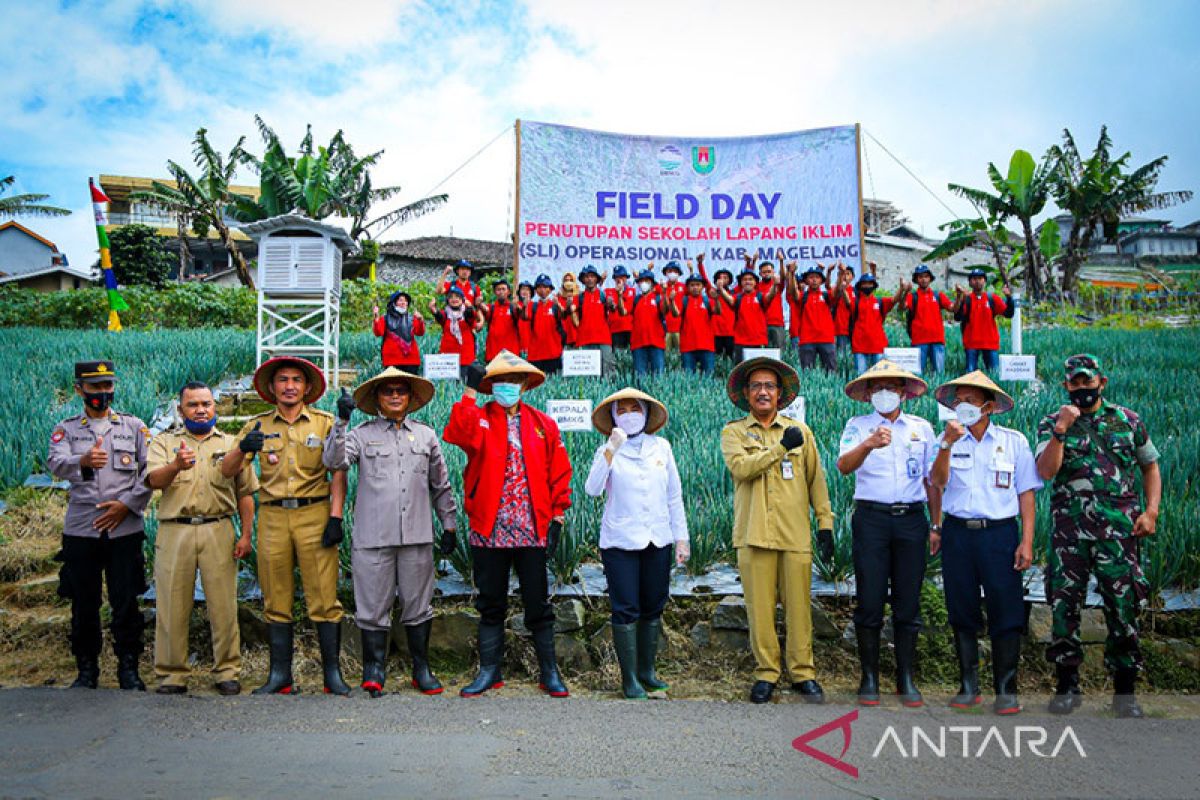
103	455
777	478
988	479
889	453
195	530
400	471
294	522
1093	450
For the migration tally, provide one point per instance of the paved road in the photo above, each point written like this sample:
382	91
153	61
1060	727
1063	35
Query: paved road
60	743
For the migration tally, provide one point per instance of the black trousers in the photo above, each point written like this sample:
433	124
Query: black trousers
620	340
550	366
723	346
119	562
888	551
492	566
638	582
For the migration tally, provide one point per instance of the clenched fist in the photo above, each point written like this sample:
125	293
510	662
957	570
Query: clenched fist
96	457
879	438
185	457
1066	418
954	431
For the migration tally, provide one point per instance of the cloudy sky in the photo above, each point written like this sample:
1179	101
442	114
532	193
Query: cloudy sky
120	86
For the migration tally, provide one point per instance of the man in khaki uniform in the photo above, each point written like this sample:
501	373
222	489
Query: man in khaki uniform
294	522
777	477
402	480
194	526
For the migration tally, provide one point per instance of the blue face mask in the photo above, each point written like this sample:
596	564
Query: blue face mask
199	428
506	394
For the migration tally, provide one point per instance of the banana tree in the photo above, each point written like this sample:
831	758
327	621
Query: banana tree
26	205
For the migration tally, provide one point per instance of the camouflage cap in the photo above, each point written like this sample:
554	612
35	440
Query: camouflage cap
1084	364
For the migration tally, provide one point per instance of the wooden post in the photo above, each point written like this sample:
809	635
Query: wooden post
862	245
515	279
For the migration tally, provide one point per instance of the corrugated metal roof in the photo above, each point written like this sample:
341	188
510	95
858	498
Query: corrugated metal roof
450	249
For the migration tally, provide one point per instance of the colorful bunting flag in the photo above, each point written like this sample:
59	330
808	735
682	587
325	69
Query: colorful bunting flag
115	301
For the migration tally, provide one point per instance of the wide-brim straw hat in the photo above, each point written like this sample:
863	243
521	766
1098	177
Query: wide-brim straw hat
265	374
509	363
420	390
1000	398
789	381
656	412
859	388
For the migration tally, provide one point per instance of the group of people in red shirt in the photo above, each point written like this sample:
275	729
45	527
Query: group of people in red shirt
701	318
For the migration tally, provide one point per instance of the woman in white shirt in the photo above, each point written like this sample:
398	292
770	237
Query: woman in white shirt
643	517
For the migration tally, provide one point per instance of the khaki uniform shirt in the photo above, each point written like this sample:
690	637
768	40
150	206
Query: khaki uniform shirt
400	471
290	463
773	488
122	478
200	491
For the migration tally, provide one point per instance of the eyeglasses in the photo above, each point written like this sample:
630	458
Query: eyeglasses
393	391
763	386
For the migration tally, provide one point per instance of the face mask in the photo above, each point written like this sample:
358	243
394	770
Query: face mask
672	277
506	394
968	414
885	401
864	290
632	422
644	285
98	401
1085	397
199	428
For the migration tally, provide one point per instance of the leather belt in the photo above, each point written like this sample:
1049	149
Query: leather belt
295	502
196	520
895	509
979	524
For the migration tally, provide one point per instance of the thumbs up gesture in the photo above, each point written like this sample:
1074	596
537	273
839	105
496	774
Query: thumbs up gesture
96	457
185	457
252	442
345	406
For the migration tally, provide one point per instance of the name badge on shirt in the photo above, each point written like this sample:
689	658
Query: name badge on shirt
1004	473
914	467
312	441
788	471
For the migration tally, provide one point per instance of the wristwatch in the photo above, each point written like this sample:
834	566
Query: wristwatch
935	528
1059	437
944	445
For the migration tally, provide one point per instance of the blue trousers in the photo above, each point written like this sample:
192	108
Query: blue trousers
647	359
638	582
864	361
982	559
935	352
701	361
889	565
991	359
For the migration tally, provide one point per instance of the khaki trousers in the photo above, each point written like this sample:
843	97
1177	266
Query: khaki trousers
381	572
766	575
288	537
178	551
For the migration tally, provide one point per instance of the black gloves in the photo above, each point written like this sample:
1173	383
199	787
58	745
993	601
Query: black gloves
552	535
252	442
825	546
448	543
472	375
793	437
345	406
333	533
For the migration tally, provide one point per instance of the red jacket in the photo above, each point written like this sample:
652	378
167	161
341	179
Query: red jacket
482	434
979	331
750	323
649	328
392	349
568	324
466	327
774	312
673	290
545	341
867	335
616	322
926	326
470	289
698	315
502	331
812	319
841	315
524	325
593	318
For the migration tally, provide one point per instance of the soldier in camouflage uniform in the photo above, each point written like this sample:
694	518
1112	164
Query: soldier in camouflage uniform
1093	450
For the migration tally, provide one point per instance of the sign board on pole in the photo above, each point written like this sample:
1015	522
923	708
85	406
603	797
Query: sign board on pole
795	410
908	358
581	362
1018	368
441	366
571	415
761	352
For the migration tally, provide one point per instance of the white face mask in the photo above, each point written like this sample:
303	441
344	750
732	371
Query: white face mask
632	422
885	401
645	285
968	414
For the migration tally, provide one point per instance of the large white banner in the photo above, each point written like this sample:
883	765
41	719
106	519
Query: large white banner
588	197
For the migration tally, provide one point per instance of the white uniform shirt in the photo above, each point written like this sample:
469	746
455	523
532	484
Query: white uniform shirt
986	476
896	473
644	497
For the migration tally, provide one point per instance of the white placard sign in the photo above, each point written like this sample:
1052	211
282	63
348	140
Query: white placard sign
441	366
761	352
1018	368
581	362
571	415
795	410
945	414
908	358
